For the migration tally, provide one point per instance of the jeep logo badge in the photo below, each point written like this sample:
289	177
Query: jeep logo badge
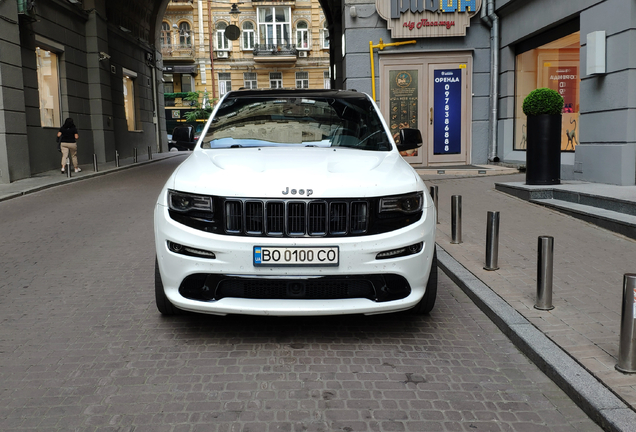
298	191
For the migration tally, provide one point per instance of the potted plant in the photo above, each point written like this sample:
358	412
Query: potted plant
543	108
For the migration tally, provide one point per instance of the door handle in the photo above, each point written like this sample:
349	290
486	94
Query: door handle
431	115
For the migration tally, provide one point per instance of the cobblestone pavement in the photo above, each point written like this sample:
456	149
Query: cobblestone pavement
83	348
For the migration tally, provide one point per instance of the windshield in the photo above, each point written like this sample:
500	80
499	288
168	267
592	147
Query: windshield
297	121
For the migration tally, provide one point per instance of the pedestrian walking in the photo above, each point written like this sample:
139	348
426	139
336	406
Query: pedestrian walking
68	143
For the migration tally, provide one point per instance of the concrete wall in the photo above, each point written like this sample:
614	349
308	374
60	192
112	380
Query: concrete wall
369	26
91	90
607	135
13	137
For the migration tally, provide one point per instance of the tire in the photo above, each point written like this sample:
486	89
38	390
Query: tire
425	306
163	304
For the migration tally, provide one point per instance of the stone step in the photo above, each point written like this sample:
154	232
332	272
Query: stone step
614	221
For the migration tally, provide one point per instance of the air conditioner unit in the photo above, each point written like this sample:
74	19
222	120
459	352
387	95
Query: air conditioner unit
222	54
303	54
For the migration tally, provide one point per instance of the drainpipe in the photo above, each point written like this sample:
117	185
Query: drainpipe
491	19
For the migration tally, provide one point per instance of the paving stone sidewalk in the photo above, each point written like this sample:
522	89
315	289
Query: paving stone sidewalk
589	264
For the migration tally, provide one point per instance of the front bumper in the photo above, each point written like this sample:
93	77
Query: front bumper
233	260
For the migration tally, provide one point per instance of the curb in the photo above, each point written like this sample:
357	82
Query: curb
596	400
88	175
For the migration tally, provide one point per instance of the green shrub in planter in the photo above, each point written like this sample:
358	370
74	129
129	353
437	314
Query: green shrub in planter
543	101
543	153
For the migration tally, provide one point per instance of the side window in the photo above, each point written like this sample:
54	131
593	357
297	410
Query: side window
248	35
302	80
184	34
325	36
166	36
48	87
129	98
222	43
249	80
225	83
275	80
302	35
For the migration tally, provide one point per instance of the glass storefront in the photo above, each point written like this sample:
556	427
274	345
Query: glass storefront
557	66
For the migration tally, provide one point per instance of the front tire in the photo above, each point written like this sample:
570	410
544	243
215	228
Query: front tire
425	306
163	304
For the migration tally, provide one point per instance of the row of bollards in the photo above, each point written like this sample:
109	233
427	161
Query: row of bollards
95	167
545	264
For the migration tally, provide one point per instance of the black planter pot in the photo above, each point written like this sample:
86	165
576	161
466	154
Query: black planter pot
543	153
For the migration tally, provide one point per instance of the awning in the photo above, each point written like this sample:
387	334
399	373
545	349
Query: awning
179	69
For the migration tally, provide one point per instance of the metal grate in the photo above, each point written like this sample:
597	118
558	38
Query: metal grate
280	289
296	218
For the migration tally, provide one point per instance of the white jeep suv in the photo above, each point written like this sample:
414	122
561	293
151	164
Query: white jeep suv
296	202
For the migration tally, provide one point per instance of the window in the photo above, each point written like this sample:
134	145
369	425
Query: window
274	26
48	88
302	80
168	85
302	35
166	36
327	79
187	84
184	35
275	80
249	80
555	65
248	35
129	98
225	83
324	32
222	43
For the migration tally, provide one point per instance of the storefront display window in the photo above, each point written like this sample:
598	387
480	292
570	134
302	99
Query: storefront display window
557	66
48	88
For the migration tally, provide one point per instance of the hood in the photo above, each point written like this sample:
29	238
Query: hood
274	172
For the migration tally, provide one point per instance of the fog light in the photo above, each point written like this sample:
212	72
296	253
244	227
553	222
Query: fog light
405	251
189	251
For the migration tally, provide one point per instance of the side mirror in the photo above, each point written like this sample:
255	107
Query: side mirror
410	139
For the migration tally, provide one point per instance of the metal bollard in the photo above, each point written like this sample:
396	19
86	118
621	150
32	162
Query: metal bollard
456	219
545	263
627	349
149	152
116	158
434	195
68	167
135	155
95	162
492	241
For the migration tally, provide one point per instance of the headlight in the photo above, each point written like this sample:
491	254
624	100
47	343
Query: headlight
410	203
184	202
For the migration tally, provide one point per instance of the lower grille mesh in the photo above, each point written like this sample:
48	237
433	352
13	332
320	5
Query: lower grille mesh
307	289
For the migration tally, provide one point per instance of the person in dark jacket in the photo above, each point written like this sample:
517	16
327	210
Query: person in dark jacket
68	143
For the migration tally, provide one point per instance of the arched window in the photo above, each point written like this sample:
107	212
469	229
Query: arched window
222	43
166	36
302	35
184	34
325	36
248	35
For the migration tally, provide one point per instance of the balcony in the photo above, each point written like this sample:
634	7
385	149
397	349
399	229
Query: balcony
178	52
180	5
275	52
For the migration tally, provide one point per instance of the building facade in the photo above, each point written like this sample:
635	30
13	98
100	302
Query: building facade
214	47
460	69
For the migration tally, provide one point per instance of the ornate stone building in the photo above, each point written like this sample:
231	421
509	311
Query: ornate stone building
255	44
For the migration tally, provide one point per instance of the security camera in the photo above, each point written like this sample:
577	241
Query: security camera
103	56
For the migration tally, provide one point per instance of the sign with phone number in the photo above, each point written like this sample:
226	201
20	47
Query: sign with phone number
447	101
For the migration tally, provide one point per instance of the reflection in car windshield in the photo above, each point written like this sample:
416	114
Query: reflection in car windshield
296	121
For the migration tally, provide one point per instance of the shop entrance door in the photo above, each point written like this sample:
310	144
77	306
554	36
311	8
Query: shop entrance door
447	120
432	93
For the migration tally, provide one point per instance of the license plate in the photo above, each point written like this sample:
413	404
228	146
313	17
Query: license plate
296	256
